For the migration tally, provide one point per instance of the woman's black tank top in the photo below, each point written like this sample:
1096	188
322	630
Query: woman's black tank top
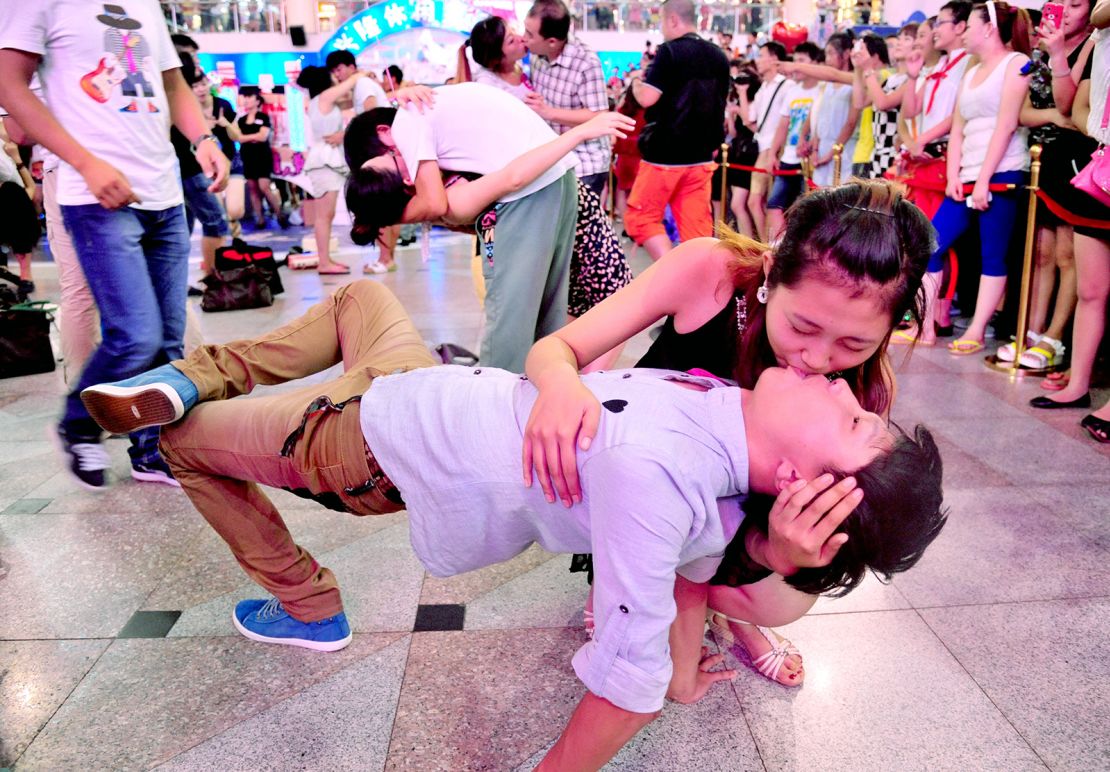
710	347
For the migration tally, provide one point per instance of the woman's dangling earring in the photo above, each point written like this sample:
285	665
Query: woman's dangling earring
761	293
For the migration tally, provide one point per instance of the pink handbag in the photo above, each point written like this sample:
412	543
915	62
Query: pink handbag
1094	178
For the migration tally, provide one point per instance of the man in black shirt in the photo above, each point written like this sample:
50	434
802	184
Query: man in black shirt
684	91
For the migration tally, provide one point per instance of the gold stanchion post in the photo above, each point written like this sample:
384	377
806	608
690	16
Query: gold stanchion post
724	185
1026	270
838	149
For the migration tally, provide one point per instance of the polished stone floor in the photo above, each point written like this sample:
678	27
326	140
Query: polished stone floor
117	651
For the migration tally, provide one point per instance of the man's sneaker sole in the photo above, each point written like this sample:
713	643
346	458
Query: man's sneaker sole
342	643
155	477
125	409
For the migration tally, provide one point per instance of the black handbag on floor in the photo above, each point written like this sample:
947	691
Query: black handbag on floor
25	339
241	254
237	289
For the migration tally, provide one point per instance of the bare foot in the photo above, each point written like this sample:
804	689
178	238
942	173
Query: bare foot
333	269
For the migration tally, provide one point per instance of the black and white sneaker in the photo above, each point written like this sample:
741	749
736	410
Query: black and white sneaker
155	470
85	459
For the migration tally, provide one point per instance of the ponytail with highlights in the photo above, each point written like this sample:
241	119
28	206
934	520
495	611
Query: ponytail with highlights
1015	27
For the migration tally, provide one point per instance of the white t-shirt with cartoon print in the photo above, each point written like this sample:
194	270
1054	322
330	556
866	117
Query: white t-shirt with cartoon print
102	71
796	107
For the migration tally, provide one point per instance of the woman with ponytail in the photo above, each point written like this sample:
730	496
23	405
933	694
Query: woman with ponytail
987	147
497	50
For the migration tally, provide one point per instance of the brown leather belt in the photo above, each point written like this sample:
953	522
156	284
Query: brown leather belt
378	480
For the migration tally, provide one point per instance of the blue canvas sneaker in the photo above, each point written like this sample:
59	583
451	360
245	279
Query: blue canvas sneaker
156	397
268	621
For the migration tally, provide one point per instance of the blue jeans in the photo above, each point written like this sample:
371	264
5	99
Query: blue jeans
202	205
137	266
995	225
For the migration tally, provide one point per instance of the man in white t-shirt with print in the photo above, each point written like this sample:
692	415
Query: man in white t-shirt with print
763	121
792	135
112	79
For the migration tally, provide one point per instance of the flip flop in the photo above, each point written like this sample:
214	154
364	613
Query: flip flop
333	272
907	338
963	347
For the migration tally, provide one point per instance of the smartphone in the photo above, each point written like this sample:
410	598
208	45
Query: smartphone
1053	13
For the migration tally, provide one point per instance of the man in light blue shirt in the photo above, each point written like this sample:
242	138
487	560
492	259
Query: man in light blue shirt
662	486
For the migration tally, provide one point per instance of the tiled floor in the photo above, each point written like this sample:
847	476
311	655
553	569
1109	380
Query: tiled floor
117	651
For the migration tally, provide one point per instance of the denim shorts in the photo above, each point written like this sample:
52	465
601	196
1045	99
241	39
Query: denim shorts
202	205
786	190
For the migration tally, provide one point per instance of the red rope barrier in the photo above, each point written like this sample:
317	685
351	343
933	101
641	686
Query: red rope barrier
758	170
1069	217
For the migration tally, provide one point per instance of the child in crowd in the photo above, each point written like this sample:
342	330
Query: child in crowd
444	442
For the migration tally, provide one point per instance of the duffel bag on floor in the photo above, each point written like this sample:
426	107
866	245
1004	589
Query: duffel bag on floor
25	340
237	289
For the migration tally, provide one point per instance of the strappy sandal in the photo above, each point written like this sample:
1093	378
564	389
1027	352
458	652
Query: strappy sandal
963	347
1048	352
770	664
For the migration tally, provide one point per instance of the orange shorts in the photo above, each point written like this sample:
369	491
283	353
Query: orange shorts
688	191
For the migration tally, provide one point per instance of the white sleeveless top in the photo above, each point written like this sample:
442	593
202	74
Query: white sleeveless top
979	106
1100	84
320	154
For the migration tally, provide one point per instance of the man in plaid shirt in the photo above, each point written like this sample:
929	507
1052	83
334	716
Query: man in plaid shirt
570	86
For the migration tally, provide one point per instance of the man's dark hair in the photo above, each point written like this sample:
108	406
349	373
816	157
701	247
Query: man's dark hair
184	41
336	58
960	10
396	73
901	513
376	198
316	80
554	18
777	49
812	50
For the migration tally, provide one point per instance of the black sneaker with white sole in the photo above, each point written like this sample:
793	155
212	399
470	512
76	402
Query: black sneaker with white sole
85	459
153	470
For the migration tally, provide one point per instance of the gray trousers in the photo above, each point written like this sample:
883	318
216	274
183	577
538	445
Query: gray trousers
526	265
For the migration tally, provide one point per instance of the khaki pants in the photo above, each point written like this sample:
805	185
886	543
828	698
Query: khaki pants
78	322
308	441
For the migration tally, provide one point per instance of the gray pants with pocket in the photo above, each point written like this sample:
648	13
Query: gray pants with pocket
526	247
